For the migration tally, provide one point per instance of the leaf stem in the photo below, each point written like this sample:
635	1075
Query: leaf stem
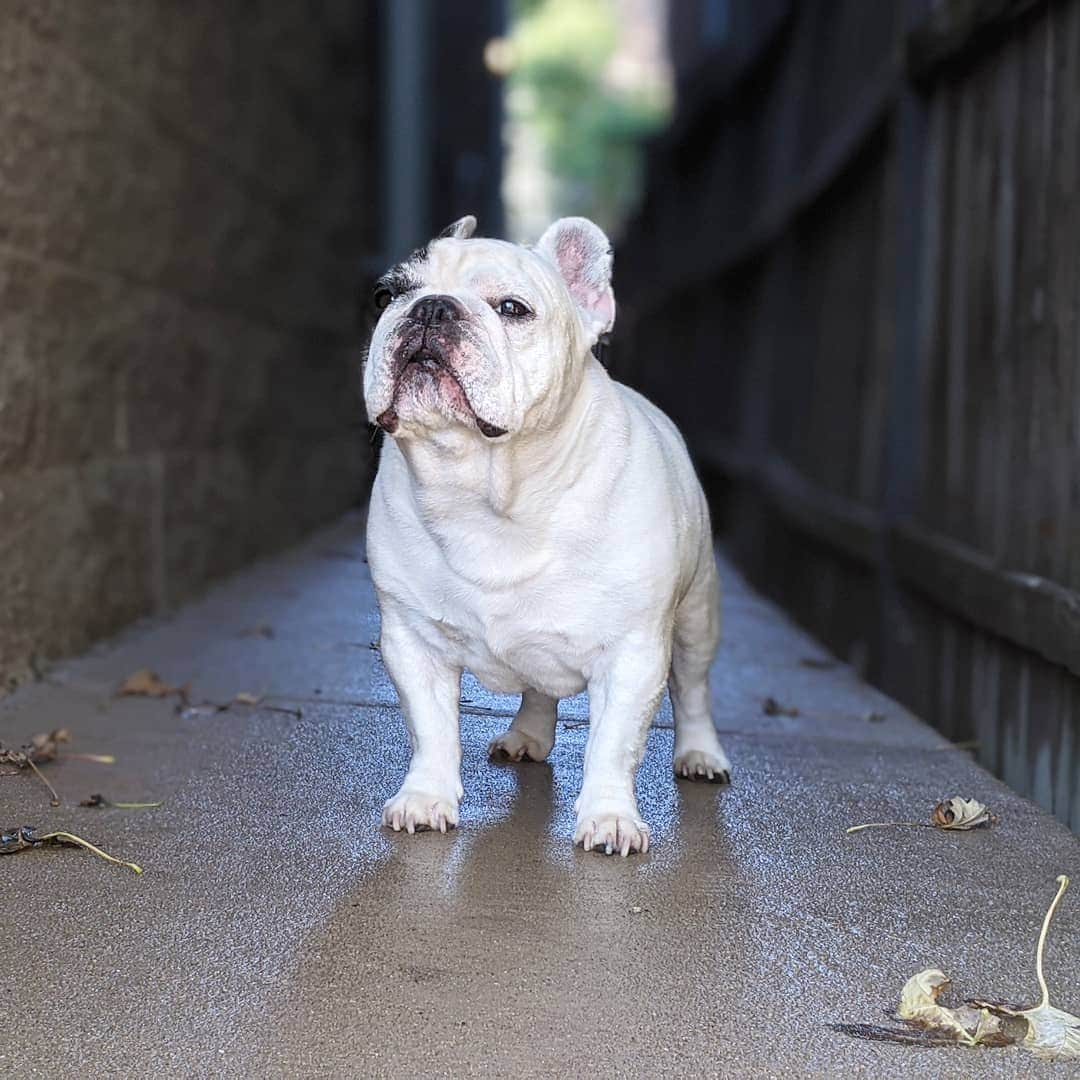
71	838
889	825
41	776
1063	884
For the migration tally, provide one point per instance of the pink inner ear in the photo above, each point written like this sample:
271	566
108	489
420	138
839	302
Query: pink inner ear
584	271
572	253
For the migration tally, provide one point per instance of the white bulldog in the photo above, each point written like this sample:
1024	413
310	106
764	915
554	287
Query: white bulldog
533	521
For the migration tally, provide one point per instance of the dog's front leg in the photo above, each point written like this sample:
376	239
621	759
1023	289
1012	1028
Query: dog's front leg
623	698
429	690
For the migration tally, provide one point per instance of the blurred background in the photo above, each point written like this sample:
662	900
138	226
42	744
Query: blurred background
845	261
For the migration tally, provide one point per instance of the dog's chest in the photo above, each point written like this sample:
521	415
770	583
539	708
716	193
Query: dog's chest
529	635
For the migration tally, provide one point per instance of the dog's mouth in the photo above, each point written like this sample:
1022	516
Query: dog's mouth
422	362
426	361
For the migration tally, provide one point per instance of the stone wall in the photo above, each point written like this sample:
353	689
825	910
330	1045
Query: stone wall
185	205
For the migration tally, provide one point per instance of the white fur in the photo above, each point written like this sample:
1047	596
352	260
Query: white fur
573	551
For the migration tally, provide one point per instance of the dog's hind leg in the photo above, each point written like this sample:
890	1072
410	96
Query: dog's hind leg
698	753
532	734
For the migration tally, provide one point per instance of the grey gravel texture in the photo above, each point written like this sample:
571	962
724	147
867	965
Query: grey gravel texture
279	931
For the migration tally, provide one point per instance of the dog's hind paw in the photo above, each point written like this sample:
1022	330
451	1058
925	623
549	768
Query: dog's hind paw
703	765
514	745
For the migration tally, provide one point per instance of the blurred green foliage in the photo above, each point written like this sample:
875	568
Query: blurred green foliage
589	127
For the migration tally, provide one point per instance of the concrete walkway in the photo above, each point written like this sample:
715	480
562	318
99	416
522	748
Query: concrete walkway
279	931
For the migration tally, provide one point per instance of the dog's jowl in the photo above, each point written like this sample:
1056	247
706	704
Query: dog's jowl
534	521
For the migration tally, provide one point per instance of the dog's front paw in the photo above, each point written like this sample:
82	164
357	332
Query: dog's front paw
712	767
514	745
611	831
415	811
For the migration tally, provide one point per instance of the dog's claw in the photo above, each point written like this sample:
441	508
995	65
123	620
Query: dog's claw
612	833
416	811
703	765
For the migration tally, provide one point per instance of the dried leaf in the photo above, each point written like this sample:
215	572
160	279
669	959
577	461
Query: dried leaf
919	1005
771	707
25	837
951	814
957	813
147	683
45	747
1046	1031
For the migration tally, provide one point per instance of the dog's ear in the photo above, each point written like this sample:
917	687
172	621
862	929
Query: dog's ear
461	229
583	256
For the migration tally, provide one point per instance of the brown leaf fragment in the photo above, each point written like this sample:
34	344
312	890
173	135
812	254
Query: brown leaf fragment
771	707
46	745
919	1005
26	837
958	813
147	683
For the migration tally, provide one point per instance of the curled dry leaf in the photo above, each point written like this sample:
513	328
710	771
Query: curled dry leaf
919	1005
957	813
46	745
147	683
1043	1029
952	814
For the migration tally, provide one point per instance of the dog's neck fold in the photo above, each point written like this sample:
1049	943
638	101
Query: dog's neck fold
516	480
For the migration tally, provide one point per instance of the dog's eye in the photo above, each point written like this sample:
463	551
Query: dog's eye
512	309
381	298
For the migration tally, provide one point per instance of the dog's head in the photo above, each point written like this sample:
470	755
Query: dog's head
487	335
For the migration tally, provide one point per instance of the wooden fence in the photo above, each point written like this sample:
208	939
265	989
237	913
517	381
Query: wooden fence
855	283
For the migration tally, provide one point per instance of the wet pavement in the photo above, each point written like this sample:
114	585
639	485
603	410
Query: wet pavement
278	931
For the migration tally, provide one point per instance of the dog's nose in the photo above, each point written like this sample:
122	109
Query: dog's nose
433	310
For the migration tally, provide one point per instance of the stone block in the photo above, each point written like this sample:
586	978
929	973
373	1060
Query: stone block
76	557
